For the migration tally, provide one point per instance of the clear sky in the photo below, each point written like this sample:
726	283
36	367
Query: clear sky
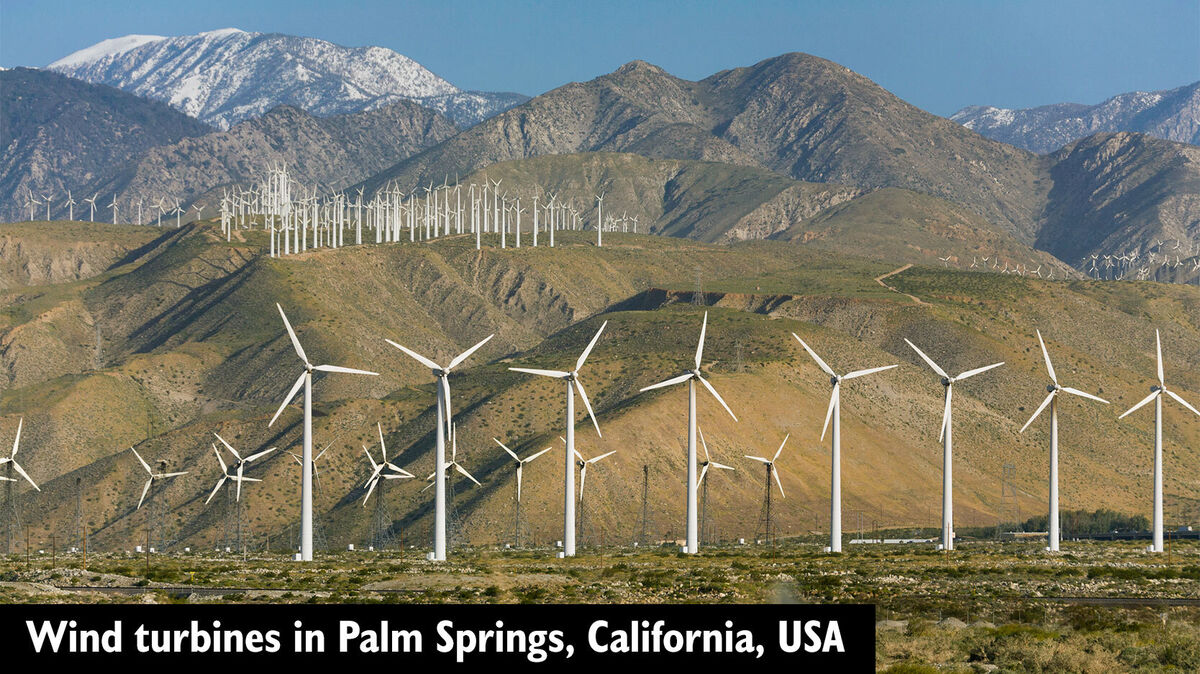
937	55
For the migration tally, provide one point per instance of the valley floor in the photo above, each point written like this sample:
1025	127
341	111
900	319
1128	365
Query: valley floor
985	607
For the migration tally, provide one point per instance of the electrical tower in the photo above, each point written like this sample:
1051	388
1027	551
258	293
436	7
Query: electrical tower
767	532
642	537
77	527
698	298
1008	491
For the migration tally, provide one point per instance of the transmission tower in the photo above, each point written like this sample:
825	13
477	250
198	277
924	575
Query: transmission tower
698	298
642	537
381	520
1008	490
77	527
767	531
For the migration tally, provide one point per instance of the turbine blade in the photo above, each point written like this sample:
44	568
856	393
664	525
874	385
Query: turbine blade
863	373
510	452
259	455
815	357
757	458
1140	404
224	468
670	382
558	374
292	334
1046	355
229	447
145	490
588	405
582	480
722	466
716	395
288	400
946	412
927	359
583	356
519	466
703	472
462	470
21	471
370	489
382	446
216	488
166	475
1158	345
141	461
978	370
1183	402
239	481
1084	394
778	482
416	356
534	456
17	439
700	344
780	450
833	398
1038	411
703	444
467	354
594	459
344	370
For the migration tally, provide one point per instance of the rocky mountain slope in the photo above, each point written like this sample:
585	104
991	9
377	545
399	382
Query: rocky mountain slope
60	133
331	152
190	344
225	76
1172	114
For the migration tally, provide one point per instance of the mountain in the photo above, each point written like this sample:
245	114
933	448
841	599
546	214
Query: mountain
180	338
798	115
59	133
225	76
1172	114
329	151
1123	193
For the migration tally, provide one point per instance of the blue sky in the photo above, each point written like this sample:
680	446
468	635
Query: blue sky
937	55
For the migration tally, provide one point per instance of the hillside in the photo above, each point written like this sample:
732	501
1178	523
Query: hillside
226	76
60	133
1172	114
329	151
190	344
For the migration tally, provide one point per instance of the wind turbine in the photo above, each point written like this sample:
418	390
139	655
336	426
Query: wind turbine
520	467
1156	393
12	458
771	470
691	377
1052	400
305	381
70	206
704	466
573	383
583	466
241	462
153	476
946	435
316	472
91	202
377	468
453	462
834	412
239	479
444	424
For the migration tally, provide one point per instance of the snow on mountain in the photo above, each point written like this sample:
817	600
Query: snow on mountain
1170	115
225	76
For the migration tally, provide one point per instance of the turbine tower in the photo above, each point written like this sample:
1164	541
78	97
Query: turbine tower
306	479
691	377
584	523
946	435
444	422
573	383
835	413
13	514
705	526
1156	393
1052	400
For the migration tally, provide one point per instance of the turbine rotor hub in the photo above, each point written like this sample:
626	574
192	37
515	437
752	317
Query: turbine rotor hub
1052	387
834	380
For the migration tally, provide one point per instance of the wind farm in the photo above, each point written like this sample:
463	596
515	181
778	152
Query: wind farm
449	364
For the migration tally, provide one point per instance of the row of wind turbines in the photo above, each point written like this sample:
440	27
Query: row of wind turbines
445	432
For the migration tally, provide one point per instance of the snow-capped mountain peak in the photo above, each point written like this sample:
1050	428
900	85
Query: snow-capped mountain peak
225	76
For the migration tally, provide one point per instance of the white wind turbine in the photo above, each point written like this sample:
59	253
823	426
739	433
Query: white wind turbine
453	462
520	467
152	476
225	475
444	424
583	466
377	469
834	412
241	462
573	383
691	377
1052	400
306	478
91	202
12	458
770	463
316	472
946	435
1156	395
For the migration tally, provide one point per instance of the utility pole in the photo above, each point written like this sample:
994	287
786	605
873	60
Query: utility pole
645	503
